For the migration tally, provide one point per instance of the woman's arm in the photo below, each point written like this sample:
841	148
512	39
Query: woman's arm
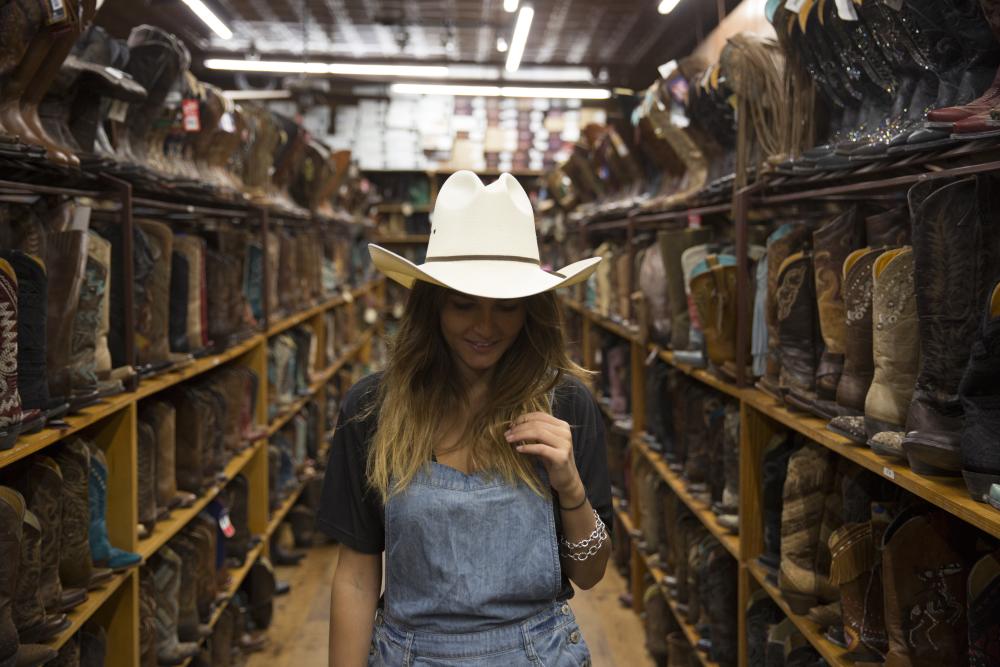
577	525
357	583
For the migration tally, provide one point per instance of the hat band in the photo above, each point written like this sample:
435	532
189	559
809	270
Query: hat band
492	258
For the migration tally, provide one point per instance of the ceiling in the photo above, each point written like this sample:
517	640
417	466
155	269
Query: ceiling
625	38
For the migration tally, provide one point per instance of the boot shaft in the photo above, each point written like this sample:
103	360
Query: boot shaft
797	322
859	365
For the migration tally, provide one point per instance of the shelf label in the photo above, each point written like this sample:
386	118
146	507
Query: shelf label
226	525
694	220
192	119
888	472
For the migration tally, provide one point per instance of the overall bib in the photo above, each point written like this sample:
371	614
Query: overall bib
472	577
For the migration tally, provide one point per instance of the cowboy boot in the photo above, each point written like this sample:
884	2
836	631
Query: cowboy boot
854	558
76	568
984	611
34	626
784	241
728	510
679	652
924	577
722	605
672	246
203	533
798	334
20	26
894	346
152	332
146	454
980	454
762	614
66	262
759	340
859	365
167	579
238	545
32	287
956	264
775	471
889	229
147	617
10	399
776	638
42	488
832	243
12	512
189	626
180	298
99	278
104	554
223	639
191	250
809	479
93	645
86	324
710	303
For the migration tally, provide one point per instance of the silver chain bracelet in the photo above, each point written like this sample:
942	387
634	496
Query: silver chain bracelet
589	547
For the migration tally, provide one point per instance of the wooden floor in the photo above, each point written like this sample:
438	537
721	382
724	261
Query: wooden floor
301	619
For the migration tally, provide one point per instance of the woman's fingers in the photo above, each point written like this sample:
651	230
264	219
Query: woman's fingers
549	434
553	455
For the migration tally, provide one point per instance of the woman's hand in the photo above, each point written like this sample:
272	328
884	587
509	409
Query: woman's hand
551	440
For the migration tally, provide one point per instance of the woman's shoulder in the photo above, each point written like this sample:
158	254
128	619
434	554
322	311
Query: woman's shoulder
573	397
361	395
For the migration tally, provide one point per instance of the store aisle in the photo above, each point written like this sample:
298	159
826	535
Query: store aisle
299	632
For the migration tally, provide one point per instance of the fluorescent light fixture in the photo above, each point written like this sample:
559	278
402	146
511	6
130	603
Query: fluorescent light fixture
667	6
209	18
499	91
239	95
510	6
501	45
520	38
357	69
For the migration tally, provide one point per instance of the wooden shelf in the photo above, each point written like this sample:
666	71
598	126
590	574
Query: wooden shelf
832	653
95	600
180	517
283	509
624	518
322	378
30	444
700	509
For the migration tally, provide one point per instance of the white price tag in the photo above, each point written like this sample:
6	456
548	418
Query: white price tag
888	472
846	11
226	525
794	5
226	123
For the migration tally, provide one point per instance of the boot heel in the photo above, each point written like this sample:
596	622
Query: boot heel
800	603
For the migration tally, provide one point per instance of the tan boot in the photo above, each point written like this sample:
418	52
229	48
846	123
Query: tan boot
895	346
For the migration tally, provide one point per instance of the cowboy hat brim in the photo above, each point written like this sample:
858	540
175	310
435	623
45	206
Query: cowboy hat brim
490	278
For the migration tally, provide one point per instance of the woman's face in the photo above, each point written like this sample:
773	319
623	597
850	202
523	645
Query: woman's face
480	330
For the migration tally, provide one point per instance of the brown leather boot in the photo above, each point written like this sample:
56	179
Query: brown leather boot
832	243
809	481
76	568
672	246
854	558
16	84
889	229
34	626
152	335
894	345
192	249
19	24
11	413
66	261
925	572
798	327
859	366
956	263
784	241
161	416
99	265
146	454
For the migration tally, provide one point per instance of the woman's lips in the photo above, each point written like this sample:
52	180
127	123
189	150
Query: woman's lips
480	346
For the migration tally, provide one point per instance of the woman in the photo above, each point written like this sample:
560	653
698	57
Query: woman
476	461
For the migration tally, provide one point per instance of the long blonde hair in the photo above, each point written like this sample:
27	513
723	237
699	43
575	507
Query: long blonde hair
420	389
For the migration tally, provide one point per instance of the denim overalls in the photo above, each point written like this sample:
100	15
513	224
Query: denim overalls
472	577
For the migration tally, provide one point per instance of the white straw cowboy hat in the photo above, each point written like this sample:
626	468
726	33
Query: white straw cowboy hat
482	243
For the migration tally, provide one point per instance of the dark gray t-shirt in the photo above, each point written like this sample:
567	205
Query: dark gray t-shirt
352	512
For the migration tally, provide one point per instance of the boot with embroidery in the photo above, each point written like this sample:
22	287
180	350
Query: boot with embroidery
984	611
76	568
167	575
146	480
854	558
810	478
12	511
66	262
895	348
10	399
34	625
798	326
672	247
32	288
924	576
956	257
